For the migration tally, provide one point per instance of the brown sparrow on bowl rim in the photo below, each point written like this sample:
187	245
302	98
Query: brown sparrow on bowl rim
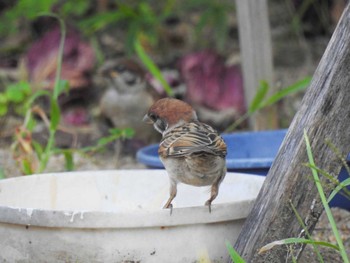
192	152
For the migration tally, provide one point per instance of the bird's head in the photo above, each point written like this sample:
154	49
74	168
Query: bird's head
168	113
125	75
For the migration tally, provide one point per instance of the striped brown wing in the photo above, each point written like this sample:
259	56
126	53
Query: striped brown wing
192	138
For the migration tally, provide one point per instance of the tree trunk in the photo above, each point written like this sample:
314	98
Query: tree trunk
324	114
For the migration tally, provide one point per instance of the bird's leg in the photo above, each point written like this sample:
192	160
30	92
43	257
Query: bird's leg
173	191
214	194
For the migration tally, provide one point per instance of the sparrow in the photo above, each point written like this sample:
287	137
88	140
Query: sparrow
127	97
192	152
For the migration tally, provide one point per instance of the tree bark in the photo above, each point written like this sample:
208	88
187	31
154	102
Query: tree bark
324	114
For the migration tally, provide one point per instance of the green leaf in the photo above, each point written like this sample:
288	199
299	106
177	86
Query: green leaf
68	156
100	21
288	241
55	115
168	9
125	11
88	149
259	97
115	134
221	24
2	173
3	104
33	97
131	36
301	222
24	86
339	187
203	20
236	258
3	109
38	149
324	200
125	133
3	98
62	86
153	69
33	7
31	123
128	133
48	151
115	131
27	168
14	93
341	157
28	9
300	85
77	7
105	140
146	11
324	173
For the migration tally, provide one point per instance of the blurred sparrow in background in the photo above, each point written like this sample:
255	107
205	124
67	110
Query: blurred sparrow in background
127	98
192	152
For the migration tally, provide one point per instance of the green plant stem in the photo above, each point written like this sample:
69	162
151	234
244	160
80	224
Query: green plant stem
294	240
55	111
2	173
153	69
260	101
300	220
47	152
340	186
339	155
324	201
238	122
236	258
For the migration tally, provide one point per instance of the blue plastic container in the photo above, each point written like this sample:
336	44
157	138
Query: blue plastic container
248	152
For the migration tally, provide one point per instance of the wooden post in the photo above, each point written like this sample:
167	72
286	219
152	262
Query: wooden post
256	52
324	114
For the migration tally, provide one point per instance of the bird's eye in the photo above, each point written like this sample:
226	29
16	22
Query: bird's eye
152	116
120	68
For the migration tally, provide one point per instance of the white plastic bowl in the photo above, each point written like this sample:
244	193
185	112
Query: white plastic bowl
117	216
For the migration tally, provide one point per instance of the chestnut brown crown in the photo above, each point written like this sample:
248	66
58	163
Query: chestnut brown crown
167	113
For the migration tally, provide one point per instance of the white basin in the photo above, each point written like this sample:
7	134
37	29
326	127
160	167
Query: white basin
117	216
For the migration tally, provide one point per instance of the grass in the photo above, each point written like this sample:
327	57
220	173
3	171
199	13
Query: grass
261	100
32	156
152	67
325	202
236	258
301	222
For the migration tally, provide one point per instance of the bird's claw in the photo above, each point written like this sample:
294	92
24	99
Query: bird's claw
169	206
208	203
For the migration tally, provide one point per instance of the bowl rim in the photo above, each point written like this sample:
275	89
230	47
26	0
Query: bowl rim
221	212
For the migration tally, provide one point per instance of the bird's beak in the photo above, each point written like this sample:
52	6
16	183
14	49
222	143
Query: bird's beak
147	119
114	74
